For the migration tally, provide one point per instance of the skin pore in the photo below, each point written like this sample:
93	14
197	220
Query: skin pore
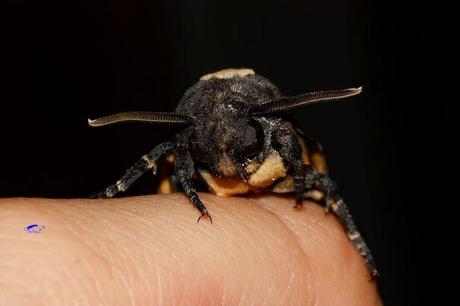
149	250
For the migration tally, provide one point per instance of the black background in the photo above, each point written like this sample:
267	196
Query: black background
391	149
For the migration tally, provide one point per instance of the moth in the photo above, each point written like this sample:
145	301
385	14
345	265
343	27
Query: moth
237	138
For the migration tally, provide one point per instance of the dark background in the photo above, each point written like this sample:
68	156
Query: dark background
391	150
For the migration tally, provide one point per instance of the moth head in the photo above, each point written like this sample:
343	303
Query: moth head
230	134
226	138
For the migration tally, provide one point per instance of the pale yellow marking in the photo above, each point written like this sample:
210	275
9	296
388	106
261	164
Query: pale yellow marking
226	166
285	186
354	236
314	194
319	162
164	186
251	168
228	73
333	205
305	159
222	186
170	158
151	164
120	186
271	169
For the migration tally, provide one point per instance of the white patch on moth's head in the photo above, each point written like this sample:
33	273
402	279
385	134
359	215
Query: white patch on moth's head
228	73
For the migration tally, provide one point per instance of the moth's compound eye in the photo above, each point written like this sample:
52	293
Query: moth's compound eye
195	149
253	138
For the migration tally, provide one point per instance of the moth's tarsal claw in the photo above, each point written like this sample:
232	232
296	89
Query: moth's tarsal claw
327	207
204	214
298	200
99	195
298	206
374	275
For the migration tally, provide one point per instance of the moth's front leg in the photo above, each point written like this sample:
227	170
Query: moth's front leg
184	170
145	163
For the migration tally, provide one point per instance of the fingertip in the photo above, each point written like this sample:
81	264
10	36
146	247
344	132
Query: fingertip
333	258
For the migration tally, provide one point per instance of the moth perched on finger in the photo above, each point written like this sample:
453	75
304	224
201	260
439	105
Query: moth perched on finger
236	138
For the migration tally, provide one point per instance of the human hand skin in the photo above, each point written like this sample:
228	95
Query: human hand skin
149	250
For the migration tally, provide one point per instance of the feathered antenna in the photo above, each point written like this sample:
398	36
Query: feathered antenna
293	102
150	117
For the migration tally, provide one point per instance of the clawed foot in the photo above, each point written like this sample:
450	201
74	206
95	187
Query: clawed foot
204	214
298	206
99	195
374	275
298	200
327	206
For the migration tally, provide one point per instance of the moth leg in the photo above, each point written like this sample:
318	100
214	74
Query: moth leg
290	150
184	170
334	202
306	178
145	163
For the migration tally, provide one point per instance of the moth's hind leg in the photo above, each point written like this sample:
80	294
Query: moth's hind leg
334	202
145	163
